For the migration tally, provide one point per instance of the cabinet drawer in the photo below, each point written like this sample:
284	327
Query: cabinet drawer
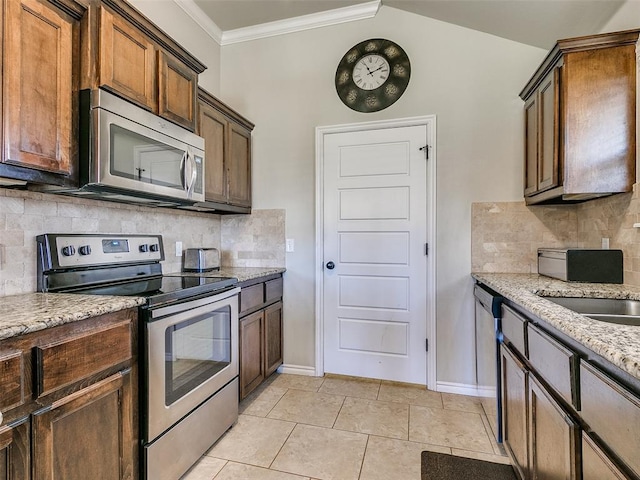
514	329
596	465
612	413
67	361
251	297
273	289
11	379
555	363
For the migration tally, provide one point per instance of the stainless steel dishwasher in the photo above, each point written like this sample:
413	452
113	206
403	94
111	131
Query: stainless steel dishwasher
488	377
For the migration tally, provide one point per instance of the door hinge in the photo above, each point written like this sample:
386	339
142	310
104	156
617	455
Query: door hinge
426	344
426	249
426	151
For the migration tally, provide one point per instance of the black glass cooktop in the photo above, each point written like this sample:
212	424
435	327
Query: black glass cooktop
167	288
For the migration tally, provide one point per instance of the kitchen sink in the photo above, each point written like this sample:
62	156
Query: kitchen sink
612	310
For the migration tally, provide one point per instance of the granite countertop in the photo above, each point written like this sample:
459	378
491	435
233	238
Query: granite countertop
31	312
620	344
241	273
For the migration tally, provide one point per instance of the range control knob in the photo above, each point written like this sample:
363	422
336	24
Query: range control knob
84	250
144	247
68	251
155	247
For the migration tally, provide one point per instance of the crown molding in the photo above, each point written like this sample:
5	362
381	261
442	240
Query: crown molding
197	15
305	22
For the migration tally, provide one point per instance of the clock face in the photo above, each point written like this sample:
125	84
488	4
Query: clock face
370	72
372	75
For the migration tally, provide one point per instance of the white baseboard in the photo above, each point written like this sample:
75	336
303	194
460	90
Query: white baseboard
465	389
297	370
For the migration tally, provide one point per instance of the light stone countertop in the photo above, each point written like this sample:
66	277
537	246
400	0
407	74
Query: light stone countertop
241	273
30	312
620	344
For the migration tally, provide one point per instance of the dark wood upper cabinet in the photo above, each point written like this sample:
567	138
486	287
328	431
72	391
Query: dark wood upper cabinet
127	60
40	62
227	138
580	120
127	54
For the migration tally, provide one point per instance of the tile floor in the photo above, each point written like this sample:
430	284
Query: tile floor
340	428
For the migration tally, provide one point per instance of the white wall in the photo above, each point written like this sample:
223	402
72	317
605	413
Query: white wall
469	80
626	18
167	15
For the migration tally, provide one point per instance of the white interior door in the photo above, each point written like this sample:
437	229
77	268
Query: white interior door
375	232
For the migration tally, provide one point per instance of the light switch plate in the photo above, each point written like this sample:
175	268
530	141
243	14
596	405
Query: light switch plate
290	245
178	249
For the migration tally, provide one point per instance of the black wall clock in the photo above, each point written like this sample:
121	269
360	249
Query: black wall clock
372	75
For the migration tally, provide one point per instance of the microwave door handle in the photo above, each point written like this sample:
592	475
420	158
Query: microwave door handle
194	174
183	172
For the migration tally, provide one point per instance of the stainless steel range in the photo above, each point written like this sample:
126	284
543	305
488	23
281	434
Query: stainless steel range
188	339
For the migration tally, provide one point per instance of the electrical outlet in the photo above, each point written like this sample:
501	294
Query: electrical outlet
178	249
290	245
605	243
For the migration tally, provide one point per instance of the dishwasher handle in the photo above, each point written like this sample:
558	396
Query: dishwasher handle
490	300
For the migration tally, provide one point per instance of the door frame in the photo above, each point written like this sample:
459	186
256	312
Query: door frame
430	122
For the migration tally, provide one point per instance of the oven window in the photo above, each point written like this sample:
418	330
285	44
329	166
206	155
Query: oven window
196	350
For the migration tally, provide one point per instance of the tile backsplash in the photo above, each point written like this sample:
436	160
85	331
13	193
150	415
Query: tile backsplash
255	240
24	215
505	236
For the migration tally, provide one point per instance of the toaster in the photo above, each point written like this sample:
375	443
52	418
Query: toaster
200	259
581	265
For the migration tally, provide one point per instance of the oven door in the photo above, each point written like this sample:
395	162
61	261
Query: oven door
191	352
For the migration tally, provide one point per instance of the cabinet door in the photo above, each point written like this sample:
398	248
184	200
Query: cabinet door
127	60
554	437
515	411
239	166
15	451
596	465
272	338
548	131
177	86
40	69
212	126
88	434
531	145
251	352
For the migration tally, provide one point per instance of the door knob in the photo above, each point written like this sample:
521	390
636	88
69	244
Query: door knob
331	265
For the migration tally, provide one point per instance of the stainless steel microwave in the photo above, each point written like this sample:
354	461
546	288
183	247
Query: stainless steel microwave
128	154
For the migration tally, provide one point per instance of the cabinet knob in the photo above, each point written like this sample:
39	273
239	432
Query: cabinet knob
330	265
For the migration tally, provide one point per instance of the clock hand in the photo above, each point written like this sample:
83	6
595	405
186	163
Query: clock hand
367	67
373	71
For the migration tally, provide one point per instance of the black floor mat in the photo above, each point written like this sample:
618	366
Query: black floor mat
440	466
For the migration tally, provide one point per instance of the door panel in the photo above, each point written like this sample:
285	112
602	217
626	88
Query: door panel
391	248
375	212
374	204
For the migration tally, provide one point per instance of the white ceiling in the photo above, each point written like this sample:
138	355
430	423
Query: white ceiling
534	22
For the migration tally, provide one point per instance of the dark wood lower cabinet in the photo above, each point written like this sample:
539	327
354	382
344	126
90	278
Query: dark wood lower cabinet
76	415
515	410
85	434
272	338
260	331
15	451
251	352
554	437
